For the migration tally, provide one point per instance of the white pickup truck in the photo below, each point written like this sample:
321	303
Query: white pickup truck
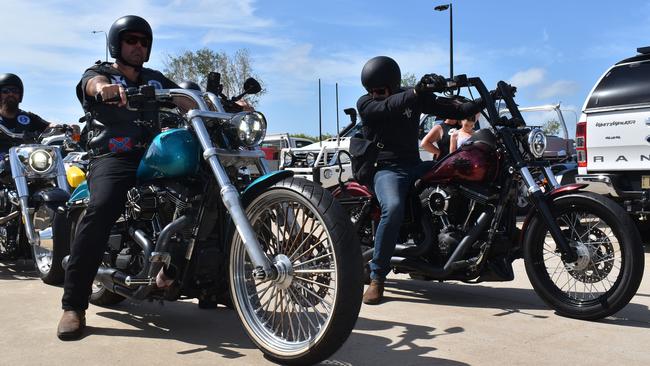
319	161
613	137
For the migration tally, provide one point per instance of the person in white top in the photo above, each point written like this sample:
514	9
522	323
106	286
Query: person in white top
463	134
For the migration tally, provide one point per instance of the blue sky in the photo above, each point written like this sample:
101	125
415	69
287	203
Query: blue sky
552	50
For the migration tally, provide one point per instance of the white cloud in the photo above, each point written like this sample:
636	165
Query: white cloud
558	89
528	77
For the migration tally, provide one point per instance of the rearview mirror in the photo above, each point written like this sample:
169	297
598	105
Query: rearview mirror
252	86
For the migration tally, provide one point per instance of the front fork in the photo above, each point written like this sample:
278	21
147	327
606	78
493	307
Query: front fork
18	174
264	268
539	201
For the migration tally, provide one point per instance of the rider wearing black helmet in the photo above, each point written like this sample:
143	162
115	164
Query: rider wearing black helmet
12	117
116	145
391	114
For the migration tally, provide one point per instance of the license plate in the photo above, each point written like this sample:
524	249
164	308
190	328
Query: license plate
645	182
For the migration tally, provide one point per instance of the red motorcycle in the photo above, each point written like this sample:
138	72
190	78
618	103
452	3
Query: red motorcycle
583	255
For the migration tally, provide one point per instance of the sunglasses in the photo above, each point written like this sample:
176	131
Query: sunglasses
132	40
10	89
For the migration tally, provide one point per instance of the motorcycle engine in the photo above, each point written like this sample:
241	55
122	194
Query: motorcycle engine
142	202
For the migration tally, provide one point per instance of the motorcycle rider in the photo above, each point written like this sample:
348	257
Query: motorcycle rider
392	114
116	144
115	150
12	117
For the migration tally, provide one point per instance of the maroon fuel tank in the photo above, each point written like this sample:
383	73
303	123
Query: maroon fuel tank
477	161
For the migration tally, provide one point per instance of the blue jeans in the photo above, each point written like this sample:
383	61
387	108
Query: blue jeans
392	184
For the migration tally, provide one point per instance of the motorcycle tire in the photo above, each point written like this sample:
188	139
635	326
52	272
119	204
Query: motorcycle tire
49	264
609	250
302	227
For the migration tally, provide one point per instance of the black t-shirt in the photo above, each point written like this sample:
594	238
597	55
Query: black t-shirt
24	121
397	117
445	140
119	121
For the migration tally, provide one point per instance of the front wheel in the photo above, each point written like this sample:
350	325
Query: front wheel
307	313
52	227
610	261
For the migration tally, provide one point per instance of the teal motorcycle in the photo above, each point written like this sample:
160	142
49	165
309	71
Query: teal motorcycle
208	213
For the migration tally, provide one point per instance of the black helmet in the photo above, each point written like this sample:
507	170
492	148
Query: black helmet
128	23
190	85
381	71
13	80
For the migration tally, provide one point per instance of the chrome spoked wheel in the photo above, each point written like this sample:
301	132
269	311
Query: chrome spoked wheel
299	315
599	262
293	310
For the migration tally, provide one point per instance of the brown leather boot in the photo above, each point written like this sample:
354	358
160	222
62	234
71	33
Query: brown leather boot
375	293
71	325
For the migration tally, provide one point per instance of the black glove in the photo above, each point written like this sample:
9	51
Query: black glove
430	83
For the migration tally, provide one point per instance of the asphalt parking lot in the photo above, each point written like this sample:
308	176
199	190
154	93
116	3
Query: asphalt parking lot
422	323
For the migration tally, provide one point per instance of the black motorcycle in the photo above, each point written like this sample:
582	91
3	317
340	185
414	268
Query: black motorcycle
582	253
207	213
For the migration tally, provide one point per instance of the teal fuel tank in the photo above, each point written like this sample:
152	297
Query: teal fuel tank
173	153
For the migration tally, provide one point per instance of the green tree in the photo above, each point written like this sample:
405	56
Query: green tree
409	79
195	66
551	127
313	138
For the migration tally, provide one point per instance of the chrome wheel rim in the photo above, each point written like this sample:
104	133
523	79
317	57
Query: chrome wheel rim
291	313
43	254
599	264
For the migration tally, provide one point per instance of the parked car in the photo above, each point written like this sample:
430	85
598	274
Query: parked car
273	143
318	161
613	137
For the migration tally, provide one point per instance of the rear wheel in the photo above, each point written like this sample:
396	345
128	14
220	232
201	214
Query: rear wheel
610	261
307	313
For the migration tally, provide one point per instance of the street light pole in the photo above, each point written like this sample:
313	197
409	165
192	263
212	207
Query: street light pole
106	37
451	35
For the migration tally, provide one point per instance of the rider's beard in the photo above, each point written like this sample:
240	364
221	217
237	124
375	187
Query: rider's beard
9	104
135	58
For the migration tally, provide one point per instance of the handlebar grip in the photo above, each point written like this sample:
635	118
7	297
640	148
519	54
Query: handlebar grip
100	99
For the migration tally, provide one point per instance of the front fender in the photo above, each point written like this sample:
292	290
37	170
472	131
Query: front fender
557	192
353	189
262	183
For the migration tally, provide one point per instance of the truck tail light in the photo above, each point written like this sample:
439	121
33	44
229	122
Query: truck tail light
581	144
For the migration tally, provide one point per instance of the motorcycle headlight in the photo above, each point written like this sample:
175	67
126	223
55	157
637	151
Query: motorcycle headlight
250	127
40	161
311	159
537	142
288	159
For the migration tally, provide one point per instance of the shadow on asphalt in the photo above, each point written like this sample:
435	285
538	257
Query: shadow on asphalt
220	331
18	270
506	300
368	349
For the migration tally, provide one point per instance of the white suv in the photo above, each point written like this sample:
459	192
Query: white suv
613	136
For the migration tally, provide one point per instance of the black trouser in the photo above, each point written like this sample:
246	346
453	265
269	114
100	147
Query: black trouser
109	179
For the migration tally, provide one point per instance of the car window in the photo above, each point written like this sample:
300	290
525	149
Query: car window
272	143
428	123
301	143
624	84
